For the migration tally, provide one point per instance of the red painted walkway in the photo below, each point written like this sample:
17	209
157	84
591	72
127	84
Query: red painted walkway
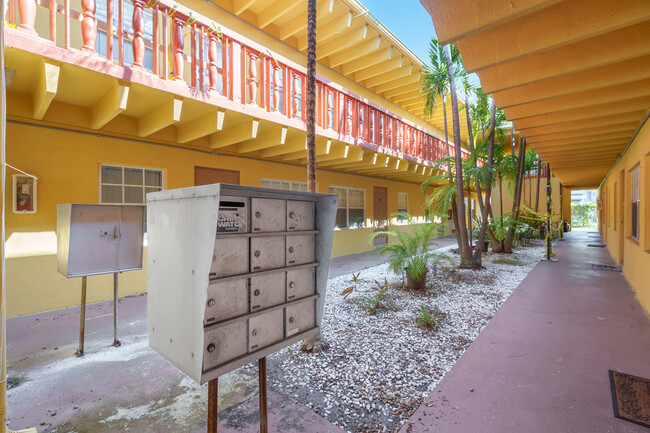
541	364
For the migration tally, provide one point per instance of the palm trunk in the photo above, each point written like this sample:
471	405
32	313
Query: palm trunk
488	190
466	258
454	215
510	236
311	96
539	176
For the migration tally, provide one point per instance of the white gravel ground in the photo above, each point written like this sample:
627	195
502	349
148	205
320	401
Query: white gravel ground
380	367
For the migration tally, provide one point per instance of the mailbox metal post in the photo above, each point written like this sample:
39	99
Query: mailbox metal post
264	422
213	406
116	342
82	315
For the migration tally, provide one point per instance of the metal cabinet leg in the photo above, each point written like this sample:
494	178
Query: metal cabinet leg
116	342
82	320
213	394
264	427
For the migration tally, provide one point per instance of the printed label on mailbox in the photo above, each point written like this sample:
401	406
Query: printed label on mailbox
232	216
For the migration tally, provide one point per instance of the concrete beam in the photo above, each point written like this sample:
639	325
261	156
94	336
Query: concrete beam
45	89
164	115
200	127
109	106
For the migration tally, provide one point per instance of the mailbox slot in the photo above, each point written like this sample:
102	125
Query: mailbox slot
268	215
267	290
233	215
230	256
300	249
265	329
300	215
226	300
300	317
224	343
267	253
300	283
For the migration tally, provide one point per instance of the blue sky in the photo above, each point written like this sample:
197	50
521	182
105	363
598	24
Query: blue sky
408	20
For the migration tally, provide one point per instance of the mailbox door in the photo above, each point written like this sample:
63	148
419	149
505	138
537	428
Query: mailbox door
300	317
267	253
265	329
230	257
267	290
224	344
300	283
233	215
94	233
300	249
226	300
300	215
268	215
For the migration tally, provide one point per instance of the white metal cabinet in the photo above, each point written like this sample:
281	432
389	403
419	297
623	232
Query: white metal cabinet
300	249
299	317
267	290
267	253
300	283
226	300
268	215
265	329
222	277
99	239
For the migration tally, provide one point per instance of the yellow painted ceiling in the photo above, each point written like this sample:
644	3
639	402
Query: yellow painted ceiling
572	75
350	41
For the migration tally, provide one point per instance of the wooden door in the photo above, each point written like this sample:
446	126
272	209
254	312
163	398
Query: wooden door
208	175
380	210
621	216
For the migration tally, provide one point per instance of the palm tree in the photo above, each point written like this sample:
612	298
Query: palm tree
435	84
466	258
510	236
488	190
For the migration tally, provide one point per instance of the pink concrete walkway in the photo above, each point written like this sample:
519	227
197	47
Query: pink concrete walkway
541	364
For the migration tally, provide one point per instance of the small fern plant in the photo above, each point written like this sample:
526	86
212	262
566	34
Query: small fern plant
411	251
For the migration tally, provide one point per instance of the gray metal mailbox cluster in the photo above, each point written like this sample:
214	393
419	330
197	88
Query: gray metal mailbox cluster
235	273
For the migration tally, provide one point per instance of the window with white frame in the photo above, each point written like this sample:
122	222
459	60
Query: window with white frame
635	201
402	206
283	184
127	185
350	213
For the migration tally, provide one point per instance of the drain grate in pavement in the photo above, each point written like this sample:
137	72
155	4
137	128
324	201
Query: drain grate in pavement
606	268
596	245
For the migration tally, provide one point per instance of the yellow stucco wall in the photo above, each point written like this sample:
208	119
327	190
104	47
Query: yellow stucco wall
636	254
67	165
555	197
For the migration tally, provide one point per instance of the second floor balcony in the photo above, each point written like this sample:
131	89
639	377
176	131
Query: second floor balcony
176	77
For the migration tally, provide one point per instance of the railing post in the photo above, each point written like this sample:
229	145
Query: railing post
27	13
252	78
276	87
348	116
296	94
179	45
213	71
328	104
138	34
371	126
88	25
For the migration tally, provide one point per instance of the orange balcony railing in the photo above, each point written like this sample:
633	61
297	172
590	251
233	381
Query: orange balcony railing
152	37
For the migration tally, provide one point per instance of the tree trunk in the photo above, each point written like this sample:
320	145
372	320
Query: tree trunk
466	258
454	215
312	344
510	236
539	175
311	96
488	190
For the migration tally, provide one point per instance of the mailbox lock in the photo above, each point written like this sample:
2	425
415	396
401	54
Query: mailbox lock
292	285
291	249
290	319
257	253
211	348
254	333
211	303
256	292
257	214
292	214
